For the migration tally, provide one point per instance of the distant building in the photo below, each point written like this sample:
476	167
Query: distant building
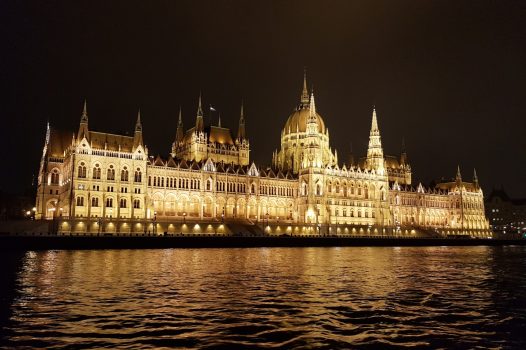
507	216
92	179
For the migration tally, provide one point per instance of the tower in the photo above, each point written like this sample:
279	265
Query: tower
375	154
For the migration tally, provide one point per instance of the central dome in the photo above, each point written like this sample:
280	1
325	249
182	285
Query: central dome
298	121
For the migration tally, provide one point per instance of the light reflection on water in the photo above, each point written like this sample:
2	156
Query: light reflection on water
270	297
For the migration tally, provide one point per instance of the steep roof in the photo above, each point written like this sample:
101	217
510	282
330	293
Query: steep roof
100	140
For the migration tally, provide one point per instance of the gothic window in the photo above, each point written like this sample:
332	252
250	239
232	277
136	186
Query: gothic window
96	172
318	189
82	171
123	203
136	204
109	202
149	180
54	177
94	201
124	174
110	175
366	192
138	175
209	185
80	201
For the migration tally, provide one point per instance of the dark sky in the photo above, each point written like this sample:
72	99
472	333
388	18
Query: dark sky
449	76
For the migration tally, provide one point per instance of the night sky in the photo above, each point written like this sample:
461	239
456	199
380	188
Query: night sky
449	76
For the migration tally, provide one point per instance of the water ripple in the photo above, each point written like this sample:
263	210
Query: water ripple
269	298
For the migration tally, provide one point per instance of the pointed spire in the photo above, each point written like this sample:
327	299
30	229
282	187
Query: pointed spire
305	92
179	134
312	106
312	122
199	123
241	133
83	127
475	177
84	116
375	153
200	106
137	137
219	120
459	175
138	124
403	153
374	124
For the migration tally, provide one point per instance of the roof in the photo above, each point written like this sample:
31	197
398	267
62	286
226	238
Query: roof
111	141
59	141
214	134
298	121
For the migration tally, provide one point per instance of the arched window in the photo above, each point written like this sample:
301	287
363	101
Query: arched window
109	202
138	175
318	190
80	201
122	203
96	172
209	185
253	189
111	173
136	204
124	174
54	177
82	171
94	201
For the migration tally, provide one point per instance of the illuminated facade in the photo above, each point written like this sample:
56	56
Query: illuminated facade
98	182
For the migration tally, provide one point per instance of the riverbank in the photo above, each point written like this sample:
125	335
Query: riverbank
47	242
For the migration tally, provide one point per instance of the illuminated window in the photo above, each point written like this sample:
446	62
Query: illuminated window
124	174
82	171
111	173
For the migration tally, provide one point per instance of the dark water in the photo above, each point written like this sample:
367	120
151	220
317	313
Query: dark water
441	297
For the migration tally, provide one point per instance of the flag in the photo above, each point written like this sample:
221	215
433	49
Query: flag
212	108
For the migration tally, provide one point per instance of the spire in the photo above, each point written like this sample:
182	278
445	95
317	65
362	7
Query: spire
199	124
137	137
312	122
475	177
83	127
305	92
241	134
219	120
403	154
84	116
375	153
374	124
180	131
459	175
138	125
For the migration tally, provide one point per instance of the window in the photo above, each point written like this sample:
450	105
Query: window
138	175
122	203
96	172
136	204
109	202
94	201
80	201
111	173
82	171
54	177
124	174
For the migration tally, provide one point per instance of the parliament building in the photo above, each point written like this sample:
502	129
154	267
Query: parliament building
96	182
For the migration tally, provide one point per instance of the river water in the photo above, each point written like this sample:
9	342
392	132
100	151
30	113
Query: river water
280	298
